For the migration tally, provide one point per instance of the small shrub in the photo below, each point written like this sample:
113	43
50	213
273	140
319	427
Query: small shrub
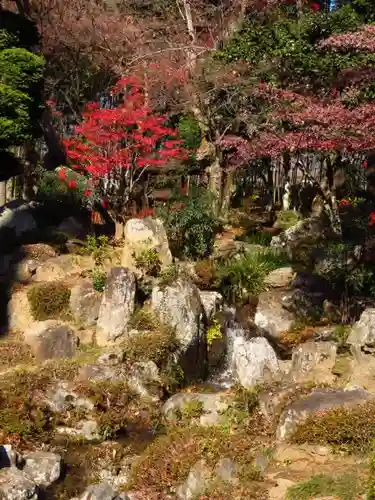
190	225
143	320
242	277
256	238
169	275
287	219
350	429
148	261
98	278
98	248
345	486
48	300
206	274
214	332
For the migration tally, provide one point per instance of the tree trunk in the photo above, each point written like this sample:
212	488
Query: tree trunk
228	190
56	156
215	174
3	193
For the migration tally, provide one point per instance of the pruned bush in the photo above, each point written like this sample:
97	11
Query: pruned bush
351	429
243	277
48	300
206	274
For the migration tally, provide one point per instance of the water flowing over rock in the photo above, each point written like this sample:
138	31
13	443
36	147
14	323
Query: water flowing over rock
179	305
117	305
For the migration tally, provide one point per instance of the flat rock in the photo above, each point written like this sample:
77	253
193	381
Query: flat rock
51	339
319	400
15	485
279	278
198	481
42	467
211	406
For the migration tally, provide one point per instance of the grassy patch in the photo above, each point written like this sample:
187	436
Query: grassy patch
48	300
243	277
350	429
287	219
167	461
256	238
345	487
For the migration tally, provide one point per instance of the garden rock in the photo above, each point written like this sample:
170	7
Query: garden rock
85	303
279	278
62	397
206	408
20	318
314	361
117	305
109	366
211	301
15	485
144	379
101	491
271	316
306	233
198	481
72	229
272	400
51	339
85	429
16	222
42	467
318	401
179	305
363	331
145	234
62	267
226	470
254	361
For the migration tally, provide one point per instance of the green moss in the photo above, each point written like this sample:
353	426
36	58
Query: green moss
345	487
190	410
287	219
148	261
349	429
48	300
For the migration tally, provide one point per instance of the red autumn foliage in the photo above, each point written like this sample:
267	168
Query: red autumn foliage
129	138
361	40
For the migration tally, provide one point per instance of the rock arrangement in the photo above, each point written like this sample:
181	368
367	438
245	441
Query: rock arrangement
111	366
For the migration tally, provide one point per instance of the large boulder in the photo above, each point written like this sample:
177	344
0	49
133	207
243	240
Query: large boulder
85	303
42	467
51	339
117	305
314	361
271	315
254	361
145	234
63	266
15	485
319	400
17	222
307	233
363	331
179	305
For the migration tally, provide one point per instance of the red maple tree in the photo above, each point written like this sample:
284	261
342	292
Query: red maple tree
115	147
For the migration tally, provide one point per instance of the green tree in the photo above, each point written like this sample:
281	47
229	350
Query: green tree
21	84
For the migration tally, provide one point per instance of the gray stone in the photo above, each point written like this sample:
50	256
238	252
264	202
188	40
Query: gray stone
254	361
272	401
313	361
271	316
19	219
117	305
319	400
212	406
42	467
144	379
363	331
226	470
51	339
198	481
279	278
179	305
62	397
101	491
211	301
145	234
15	485
86	429
63	266
85	303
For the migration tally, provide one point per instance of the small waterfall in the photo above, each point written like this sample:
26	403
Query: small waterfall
225	376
